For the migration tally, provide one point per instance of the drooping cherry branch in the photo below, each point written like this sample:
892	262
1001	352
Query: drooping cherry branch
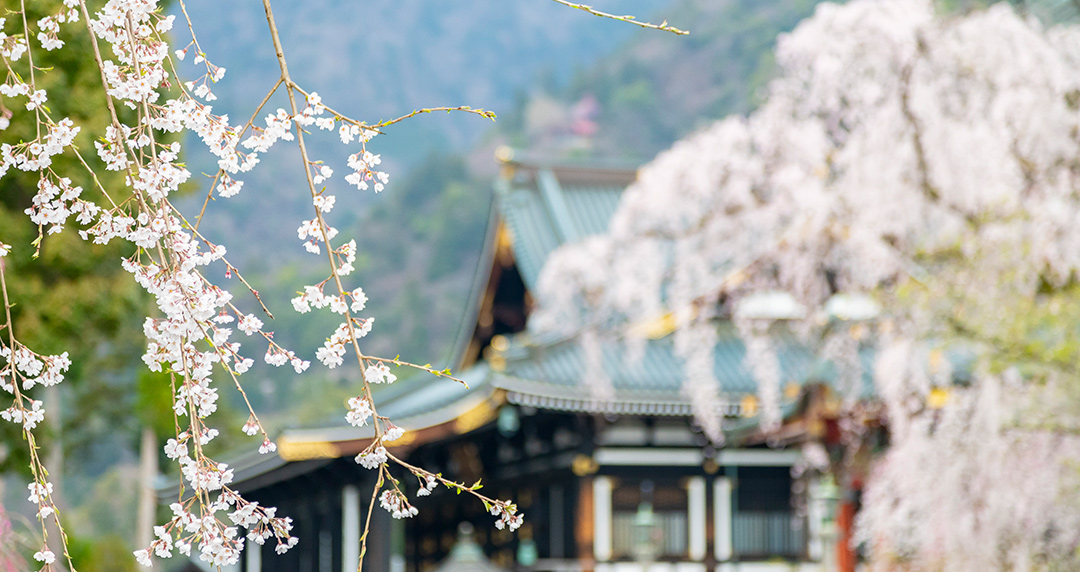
190	335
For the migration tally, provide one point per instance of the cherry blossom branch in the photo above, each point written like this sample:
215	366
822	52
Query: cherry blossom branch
509	518
18	357
373	369
213	185
101	67
323	227
191	28
228	267
30	58
465	108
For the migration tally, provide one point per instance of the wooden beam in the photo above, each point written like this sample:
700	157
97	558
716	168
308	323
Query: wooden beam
643	456
758	457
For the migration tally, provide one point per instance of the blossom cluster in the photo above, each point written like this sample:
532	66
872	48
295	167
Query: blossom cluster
379	373
22	370
11	47
37	154
218	544
30	367
313	296
372	457
508	516
332	353
359	411
29	418
45	556
427	485
392	432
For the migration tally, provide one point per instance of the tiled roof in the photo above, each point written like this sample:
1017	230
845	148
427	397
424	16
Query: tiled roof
476	291
546	207
551	375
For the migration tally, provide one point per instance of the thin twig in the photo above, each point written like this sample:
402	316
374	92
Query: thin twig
481	112
367	523
376	126
436	372
663	26
30	58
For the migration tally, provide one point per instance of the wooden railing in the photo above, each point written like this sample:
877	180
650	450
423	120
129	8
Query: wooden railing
767	535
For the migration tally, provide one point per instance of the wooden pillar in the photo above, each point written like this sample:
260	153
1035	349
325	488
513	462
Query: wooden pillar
583	524
252	557
557	520
695	513
845	520
602	524
350	527
722	519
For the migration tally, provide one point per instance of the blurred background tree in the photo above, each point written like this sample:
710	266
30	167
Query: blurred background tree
905	202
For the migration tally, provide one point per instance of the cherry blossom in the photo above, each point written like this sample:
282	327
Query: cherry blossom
373	457
396	504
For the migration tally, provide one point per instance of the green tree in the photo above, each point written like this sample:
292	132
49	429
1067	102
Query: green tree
71	295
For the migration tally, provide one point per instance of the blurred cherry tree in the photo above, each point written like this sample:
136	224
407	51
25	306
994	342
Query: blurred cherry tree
910	190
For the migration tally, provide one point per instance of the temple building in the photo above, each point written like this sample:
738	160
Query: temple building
624	483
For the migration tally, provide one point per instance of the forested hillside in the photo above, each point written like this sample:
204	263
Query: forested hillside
657	87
